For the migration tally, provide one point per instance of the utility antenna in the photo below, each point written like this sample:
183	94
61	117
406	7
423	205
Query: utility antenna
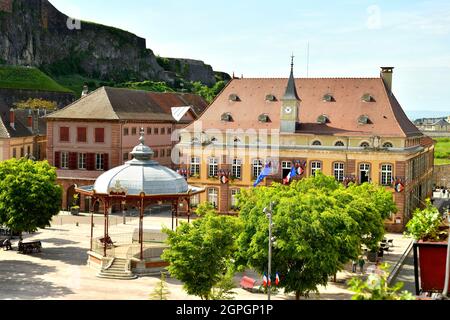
307	62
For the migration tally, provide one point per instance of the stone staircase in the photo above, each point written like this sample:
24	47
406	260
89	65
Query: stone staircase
119	270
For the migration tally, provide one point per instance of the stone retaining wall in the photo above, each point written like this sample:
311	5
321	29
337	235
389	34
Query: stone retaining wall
441	177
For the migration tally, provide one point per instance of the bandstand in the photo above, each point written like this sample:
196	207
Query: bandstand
141	182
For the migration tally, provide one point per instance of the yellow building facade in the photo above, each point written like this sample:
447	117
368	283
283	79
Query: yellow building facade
318	124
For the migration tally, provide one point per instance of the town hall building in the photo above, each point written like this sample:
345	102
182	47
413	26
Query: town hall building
351	128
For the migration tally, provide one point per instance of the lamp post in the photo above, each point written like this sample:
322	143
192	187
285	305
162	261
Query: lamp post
123	211
269	213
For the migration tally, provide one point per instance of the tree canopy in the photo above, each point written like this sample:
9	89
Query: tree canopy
29	194
35	104
319	226
200	253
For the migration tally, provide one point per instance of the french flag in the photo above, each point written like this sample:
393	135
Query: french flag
277	280
265	173
290	176
265	280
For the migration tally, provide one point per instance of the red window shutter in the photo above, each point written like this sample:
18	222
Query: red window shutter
81	134
90	161
57	160
99	135
73	160
106	162
64	134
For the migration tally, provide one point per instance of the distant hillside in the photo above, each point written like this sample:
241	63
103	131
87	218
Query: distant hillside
15	77
35	33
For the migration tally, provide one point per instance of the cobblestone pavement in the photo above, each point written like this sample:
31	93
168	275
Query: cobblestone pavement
60	271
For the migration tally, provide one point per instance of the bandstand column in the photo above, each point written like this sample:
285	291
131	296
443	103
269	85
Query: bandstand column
106	211
141	227
91	210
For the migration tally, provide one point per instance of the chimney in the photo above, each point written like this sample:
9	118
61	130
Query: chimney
85	91
386	75
30	121
12	118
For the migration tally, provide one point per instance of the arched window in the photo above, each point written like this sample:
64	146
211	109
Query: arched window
339	144
317	143
388	145
234	97
264	118
328	98
365	145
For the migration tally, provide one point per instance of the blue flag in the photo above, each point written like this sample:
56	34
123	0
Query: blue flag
265	173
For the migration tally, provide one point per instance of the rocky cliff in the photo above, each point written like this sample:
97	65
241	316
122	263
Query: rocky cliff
34	32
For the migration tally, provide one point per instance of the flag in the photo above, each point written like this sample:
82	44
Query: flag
265	280
277	279
265	173
300	171
399	187
291	175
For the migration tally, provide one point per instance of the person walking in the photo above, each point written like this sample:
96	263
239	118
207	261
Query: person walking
362	262
354	266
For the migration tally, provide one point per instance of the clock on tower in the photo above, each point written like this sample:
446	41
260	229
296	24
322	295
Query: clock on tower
290	105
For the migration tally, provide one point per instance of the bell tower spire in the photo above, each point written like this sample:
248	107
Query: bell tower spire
291	90
290	105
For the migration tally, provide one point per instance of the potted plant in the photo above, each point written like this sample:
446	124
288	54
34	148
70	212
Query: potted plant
75	208
430	230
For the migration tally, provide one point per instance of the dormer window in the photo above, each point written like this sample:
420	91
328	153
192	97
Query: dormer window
368	98
271	98
388	145
227	117
234	97
364	120
264	118
328	98
323	119
339	144
317	143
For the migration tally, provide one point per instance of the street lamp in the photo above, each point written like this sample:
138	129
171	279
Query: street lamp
269	213
123	211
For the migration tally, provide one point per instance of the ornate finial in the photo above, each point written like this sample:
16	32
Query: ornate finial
142	139
292	61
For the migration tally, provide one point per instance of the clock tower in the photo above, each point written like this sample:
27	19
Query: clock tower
290	105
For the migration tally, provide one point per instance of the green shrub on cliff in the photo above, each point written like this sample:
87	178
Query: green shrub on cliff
14	77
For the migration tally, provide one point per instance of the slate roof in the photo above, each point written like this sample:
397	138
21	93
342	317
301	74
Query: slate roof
20	129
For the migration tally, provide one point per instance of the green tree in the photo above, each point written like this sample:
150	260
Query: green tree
200	253
29	194
161	291
319	225
35	104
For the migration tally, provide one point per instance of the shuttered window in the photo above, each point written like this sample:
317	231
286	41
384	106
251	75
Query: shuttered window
64	134
82	134
57	159
99	135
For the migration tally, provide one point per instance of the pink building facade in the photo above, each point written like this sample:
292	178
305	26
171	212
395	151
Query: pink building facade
82	145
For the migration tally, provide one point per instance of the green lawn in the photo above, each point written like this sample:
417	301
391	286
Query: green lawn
442	151
15	77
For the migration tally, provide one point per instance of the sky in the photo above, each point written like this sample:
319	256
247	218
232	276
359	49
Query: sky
255	38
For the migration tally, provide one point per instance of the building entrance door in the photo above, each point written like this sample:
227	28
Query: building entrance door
364	173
